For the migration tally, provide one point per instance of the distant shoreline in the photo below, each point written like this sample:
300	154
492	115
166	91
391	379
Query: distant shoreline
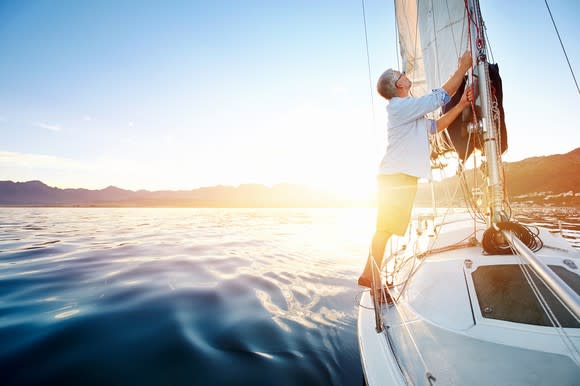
514	205
549	181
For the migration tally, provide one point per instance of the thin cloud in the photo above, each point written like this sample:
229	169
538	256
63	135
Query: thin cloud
44	125
14	159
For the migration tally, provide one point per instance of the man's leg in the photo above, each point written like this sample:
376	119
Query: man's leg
377	252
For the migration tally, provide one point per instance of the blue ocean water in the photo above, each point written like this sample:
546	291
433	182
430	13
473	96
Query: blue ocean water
180	296
94	296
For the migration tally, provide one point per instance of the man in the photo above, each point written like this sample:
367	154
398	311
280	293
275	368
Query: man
407	156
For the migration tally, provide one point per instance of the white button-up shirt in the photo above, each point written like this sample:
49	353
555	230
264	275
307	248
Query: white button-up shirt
408	134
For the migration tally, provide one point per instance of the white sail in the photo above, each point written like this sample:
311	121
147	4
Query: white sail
433	34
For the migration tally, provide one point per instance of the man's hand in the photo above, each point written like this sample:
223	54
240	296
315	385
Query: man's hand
465	61
446	119
467	96
454	82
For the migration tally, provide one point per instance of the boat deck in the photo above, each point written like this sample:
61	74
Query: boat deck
438	326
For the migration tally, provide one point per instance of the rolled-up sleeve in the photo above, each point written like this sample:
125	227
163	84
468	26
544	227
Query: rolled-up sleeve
442	96
403	110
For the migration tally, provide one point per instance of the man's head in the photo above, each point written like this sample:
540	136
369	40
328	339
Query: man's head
388	85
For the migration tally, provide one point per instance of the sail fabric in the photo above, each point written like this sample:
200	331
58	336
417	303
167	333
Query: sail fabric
432	36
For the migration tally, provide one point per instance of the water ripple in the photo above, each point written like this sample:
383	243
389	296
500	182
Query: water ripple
154	296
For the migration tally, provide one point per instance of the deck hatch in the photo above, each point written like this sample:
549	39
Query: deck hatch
504	294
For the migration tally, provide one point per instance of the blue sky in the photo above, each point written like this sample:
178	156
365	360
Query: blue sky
182	94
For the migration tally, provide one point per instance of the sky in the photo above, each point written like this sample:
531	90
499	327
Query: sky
176	94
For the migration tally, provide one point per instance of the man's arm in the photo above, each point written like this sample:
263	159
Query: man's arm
446	119
456	79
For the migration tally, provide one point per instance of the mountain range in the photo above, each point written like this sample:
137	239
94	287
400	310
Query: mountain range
546	180
552	180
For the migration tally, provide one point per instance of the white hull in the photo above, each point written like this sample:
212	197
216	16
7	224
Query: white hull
437	326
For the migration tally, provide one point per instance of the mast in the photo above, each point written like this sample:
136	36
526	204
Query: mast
488	127
486	124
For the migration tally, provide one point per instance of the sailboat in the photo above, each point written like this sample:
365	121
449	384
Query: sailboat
477	298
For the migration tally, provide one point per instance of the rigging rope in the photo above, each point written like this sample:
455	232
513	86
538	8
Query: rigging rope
368	60
371	88
562	44
397	38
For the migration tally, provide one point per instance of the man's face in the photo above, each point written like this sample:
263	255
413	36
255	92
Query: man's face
402	80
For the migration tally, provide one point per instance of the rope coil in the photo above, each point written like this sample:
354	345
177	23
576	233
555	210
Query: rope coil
494	243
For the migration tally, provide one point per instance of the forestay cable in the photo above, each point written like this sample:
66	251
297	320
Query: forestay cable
562	44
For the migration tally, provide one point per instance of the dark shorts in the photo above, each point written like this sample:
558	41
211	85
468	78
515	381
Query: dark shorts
396	194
